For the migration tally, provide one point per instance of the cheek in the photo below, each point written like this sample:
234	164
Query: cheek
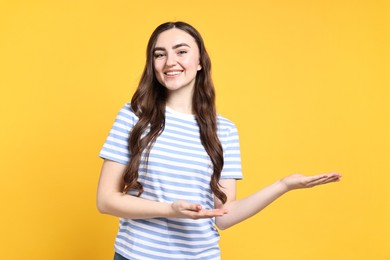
159	63
157	70
194	61
156	67
191	63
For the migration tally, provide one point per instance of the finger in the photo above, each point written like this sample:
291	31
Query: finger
220	211
209	213
324	181
184	205
332	179
334	174
310	179
193	207
318	177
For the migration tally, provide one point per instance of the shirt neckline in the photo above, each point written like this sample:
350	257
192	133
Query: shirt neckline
179	114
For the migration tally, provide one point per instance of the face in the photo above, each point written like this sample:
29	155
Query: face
176	60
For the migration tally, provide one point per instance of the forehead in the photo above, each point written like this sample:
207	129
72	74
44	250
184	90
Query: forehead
173	37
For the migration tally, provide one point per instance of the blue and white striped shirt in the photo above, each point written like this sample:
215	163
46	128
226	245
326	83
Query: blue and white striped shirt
178	168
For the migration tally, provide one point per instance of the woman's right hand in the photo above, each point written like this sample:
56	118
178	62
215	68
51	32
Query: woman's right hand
184	209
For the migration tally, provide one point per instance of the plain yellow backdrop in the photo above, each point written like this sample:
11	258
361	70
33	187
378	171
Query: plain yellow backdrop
306	82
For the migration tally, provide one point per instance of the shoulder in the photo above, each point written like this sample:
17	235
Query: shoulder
127	112
226	126
223	122
126	117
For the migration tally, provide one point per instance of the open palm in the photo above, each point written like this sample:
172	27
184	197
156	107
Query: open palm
299	181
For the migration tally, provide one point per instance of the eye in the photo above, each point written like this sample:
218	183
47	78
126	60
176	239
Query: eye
182	52
158	55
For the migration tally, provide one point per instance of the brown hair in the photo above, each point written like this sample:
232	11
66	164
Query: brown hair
148	103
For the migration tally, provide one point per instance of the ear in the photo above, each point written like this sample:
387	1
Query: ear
199	67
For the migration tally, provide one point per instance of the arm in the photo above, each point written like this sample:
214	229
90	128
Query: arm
111	200
239	210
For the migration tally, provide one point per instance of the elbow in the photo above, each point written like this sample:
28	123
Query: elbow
222	225
100	208
101	205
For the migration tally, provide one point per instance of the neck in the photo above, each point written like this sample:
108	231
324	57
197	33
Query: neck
180	106
181	102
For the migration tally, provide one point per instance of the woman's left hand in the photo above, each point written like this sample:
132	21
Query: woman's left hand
299	181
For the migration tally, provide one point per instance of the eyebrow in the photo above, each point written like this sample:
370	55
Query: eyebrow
174	47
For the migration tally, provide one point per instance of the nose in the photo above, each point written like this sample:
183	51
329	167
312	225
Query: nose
171	60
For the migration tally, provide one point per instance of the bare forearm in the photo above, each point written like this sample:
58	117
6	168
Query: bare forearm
127	206
110	200
242	209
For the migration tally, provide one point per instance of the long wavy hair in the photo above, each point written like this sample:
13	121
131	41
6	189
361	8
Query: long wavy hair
148	103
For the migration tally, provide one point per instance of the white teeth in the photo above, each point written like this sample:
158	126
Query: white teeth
172	73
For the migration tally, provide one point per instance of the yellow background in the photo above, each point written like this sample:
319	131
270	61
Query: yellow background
306	82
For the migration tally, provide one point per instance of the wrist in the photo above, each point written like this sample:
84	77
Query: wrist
282	187
168	210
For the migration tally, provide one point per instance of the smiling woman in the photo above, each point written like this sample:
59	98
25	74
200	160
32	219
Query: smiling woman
176	65
171	163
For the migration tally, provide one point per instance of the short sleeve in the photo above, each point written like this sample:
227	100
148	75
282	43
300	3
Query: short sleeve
231	150
116	146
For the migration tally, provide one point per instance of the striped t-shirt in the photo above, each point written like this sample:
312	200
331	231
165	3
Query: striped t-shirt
178	169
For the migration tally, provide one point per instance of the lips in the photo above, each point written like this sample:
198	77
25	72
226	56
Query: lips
173	72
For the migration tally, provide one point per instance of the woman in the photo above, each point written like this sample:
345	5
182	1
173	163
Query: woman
171	163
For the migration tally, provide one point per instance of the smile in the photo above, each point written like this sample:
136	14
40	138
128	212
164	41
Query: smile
173	73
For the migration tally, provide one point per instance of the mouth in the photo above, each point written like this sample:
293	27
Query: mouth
172	73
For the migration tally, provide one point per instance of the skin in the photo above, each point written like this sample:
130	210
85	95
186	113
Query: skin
176	62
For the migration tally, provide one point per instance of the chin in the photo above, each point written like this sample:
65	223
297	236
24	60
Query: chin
173	87
170	88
